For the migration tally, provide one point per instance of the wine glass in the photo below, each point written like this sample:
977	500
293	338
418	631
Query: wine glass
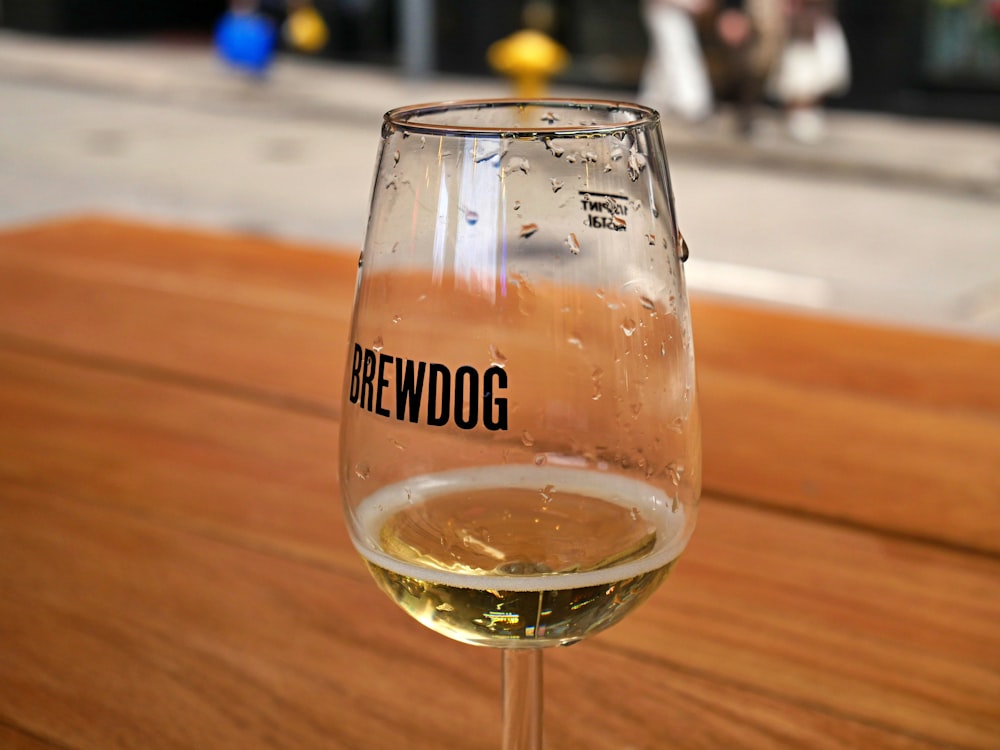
520	443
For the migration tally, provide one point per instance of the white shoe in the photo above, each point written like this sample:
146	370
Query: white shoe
806	125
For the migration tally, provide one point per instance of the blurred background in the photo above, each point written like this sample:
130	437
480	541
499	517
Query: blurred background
883	204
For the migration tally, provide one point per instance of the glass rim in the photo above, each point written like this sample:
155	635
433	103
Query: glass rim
401	118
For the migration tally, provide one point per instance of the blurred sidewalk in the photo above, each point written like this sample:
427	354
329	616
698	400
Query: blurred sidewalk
889	219
954	156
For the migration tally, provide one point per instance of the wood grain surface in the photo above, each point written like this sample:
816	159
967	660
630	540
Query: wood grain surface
174	571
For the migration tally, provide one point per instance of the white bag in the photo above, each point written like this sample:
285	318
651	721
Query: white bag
834	56
809	70
675	76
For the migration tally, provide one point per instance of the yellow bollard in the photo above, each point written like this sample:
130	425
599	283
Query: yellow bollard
529	58
305	29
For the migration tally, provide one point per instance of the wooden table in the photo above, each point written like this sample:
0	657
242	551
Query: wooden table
174	571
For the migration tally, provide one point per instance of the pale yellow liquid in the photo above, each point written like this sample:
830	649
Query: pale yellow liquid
517	557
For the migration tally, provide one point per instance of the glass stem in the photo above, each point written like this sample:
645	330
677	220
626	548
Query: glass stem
522	698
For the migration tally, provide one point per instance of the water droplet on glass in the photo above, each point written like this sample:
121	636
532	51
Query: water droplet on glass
619	223
596	377
527	439
397	445
607	167
682	247
471	217
556	149
517	205
396	318
663	348
362	471
628	326
518	163
600	294
444	607
571	158
497	357
525	294
674	471
528	229
651	239
486	151
361	258
377	344
617	154
573	243
395	247
575	340
647	303
676	504
549	118
391	182
395	156
556	185
541	459
636	408
634	513
636	163
590	156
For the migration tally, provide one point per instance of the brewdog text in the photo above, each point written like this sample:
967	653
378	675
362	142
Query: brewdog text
428	392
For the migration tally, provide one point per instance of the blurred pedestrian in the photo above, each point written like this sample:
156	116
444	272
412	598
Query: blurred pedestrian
675	77
247	35
246	38
752	33
814	64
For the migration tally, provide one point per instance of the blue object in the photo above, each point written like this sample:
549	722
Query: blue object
246	41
